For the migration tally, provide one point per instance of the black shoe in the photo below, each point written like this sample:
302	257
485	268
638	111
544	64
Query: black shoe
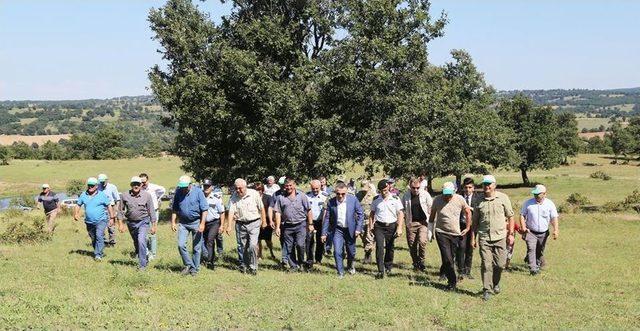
534	272
253	272
380	275
496	289
193	272
367	258
451	288
388	272
486	295
211	266
442	277
422	267
340	276
243	269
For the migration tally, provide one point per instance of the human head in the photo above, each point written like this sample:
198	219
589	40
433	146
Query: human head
92	185
341	192
281	180
364	185
323	181
241	186
103	179
259	187
271	180
448	190
383	187
184	182
391	182
135	184
488	185
290	185
539	192
468	186
422	176
414	186
45	188
145	179
315	186
207	186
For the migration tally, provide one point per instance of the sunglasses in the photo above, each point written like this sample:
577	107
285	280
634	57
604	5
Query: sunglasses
135	184
415	187
91	185
340	194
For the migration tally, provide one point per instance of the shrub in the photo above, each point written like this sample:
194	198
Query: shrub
75	187
632	199
613	206
22	233
12	214
577	199
600	175
25	201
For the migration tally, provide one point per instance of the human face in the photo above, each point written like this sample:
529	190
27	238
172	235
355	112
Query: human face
385	191
207	189
290	187
270	181
468	189
145	182
415	189
488	189
540	197
46	190
135	187
323	182
241	190
341	194
92	188
315	188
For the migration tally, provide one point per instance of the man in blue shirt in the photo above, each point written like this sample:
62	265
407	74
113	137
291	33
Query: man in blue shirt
111	191
537	213
98	213
190	207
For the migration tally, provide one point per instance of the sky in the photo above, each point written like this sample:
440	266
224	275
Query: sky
62	50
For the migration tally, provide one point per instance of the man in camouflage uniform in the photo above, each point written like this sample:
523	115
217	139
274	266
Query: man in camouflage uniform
365	196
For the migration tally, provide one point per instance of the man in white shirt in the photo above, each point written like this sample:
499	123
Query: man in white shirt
314	244
536	215
271	186
387	220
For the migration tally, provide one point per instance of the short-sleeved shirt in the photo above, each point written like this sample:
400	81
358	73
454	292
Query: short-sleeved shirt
49	201
491	215
137	207
271	190
215	207
293	211
386	210
246	208
448	214
317	204
111	191
95	207
190	204
539	215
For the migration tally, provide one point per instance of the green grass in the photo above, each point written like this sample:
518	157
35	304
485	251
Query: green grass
591	281
591	122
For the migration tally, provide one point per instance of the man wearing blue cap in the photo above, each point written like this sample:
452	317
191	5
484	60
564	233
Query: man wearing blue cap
190	207
536	215
98	213
493	223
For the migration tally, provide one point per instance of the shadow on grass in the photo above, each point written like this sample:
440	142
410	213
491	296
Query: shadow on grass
124	262
82	252
171	267
424	281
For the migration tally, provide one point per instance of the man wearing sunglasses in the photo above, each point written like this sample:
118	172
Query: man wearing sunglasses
537	214
137	208
494	226
98	214
343	222
417	204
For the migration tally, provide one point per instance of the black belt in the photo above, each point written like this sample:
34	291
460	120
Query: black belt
385	224
248	222
538	233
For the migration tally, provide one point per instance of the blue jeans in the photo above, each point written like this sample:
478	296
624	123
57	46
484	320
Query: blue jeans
294	237
138	231
342	237
184	229
96	232
152	241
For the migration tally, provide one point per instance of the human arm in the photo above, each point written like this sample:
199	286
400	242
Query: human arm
359	214
467	214
554	224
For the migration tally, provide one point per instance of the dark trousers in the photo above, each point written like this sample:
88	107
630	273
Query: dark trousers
464	255
138	231
385	236
448	246
314	245
294	236
210	235
536	241
219	243
342	238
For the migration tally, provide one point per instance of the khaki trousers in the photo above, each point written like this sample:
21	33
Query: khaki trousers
494	257
417	242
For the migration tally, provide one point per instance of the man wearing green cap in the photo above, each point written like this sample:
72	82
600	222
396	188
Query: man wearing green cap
445	213
137	208
96	205
493	223
190	207
536	215
111	191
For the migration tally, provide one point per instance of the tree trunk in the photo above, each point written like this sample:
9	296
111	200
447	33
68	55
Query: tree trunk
525	178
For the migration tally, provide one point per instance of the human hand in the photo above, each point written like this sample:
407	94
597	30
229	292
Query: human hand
174	227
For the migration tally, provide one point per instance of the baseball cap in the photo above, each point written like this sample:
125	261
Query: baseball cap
207	182
448	188
488	179
382	184
281	180
271	178
102	177
184	181
45	185
135	179
92	181
539	189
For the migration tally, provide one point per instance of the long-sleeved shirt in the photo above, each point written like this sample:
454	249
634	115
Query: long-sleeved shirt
137	207
157	192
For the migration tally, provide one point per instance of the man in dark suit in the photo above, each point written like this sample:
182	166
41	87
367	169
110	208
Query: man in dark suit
343	221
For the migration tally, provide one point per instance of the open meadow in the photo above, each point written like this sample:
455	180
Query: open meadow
591	280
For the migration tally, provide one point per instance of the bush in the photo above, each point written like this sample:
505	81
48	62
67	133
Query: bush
12	214
577	199
600	175
24	201
632	199
75	187
613	206
21	233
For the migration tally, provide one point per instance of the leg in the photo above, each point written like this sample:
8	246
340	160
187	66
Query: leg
310	243
460	255
422	246
300	237
133	231
289	244
253	232
196	245
499	259
284	251
152	245
542	243
486	269
51	220
350	242
412	243
389	246
270	246
319	251
447	249
468	255
99	247
379	235
338	245
219	243
112	234
239	244
183	234
91	230
532	243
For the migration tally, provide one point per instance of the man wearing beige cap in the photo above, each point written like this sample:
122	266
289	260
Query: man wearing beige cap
536	215
493	223
50	204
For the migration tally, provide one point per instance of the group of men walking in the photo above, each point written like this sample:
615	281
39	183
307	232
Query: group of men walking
310	224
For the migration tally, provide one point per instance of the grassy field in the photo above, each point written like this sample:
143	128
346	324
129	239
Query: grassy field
591	280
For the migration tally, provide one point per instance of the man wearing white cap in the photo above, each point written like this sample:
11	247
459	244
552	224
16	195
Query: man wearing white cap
50	204
271	186
137	208
493	223
536	215
445	213
190	208
111	191
96	205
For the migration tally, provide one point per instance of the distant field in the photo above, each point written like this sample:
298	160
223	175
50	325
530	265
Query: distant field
10	139
591	122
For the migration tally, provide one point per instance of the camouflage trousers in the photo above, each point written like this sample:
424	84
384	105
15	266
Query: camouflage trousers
367	238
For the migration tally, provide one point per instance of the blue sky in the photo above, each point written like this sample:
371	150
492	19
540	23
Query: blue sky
97	49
